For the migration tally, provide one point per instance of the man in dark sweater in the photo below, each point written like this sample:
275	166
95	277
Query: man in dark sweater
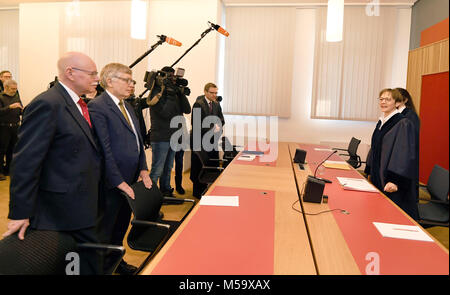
10	112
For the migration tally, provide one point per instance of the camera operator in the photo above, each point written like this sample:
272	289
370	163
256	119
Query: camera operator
166	101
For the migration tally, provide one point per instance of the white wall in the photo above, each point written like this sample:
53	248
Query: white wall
300	127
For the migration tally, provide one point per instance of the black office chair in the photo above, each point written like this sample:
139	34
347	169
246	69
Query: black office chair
436	211
149	232
46	253
354	160
229	150
210	169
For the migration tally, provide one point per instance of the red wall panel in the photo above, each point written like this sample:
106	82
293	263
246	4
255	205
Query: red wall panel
434	33
434	130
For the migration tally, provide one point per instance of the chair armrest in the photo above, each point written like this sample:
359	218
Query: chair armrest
149	223
101	247
172	200
338	149
439	202
213	168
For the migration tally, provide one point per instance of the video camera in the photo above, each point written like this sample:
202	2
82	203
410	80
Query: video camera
169	78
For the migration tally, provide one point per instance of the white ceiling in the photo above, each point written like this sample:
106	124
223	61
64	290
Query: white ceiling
15	3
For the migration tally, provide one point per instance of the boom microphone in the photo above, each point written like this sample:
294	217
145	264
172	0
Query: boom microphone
315	172
219	29
169	40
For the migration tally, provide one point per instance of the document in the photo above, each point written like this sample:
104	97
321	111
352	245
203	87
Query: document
246	157
232	201
399	231
336	165
356	184
258	153
323	150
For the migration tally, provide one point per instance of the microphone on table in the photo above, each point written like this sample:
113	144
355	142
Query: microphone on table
219	29
169	40
321	163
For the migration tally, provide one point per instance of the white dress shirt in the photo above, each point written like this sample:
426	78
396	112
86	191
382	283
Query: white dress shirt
385	119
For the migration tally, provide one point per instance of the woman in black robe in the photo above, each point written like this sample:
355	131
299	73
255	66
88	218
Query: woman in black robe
407	109
391	162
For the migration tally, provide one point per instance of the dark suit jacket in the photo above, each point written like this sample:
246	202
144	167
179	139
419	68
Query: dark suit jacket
56	165
201	107
122	159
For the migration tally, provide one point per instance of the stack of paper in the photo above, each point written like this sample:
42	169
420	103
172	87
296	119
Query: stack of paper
399	231
232	201
336	165
356	184
246	157
257	153
323	150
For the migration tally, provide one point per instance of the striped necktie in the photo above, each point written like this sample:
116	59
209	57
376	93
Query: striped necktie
122	109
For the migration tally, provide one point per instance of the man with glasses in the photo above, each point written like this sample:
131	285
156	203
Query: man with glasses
205	106
55	171
10	112
117	128
4	76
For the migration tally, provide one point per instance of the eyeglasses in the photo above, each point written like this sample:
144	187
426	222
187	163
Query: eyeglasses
90	73
128	81
386	99
215	93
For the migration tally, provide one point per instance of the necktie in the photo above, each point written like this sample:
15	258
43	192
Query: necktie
122	109
210	107
84	110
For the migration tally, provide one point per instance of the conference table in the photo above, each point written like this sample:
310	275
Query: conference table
264	235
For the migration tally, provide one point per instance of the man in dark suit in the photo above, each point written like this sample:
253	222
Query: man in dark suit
117	128
206	106
56	166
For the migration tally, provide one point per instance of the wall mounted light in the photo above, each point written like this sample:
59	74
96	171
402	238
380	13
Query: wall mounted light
139	19
335	20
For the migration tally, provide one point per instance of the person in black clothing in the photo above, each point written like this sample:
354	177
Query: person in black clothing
166	101
4	76
205	106
391	162
10	112
406	108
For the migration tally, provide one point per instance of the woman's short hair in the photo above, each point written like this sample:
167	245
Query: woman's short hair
112	69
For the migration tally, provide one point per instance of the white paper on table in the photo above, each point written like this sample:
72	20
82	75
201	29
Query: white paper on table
356	184
399	231
232	201
247	158
323	150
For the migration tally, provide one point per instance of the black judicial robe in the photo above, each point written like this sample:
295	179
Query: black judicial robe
392	158
412	116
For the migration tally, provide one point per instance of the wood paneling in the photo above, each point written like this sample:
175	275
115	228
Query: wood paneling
425	60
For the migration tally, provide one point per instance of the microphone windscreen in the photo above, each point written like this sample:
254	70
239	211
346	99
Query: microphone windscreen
172	41
223	32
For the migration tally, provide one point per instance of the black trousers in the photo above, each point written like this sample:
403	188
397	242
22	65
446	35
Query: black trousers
8	139
91	262
179	167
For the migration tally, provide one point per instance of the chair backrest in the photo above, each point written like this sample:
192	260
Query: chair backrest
146	203
438	183
353	147
40	253
226	145
203	157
